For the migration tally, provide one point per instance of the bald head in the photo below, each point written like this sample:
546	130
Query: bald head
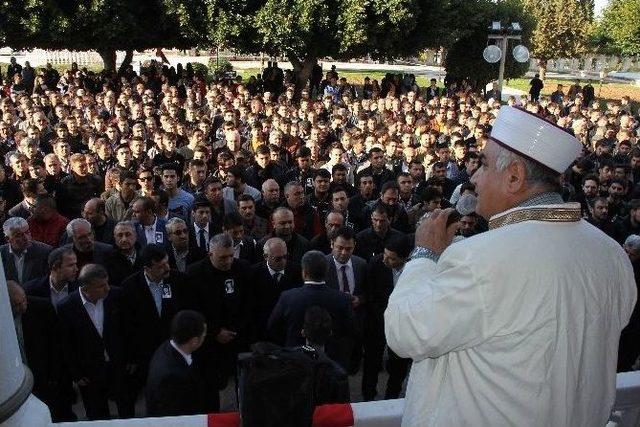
275	253
334	221
271	191
283	223
94	211
93	203
274	243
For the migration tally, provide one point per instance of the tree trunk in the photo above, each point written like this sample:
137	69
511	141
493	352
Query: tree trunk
128	57
302	70
542	68
108	59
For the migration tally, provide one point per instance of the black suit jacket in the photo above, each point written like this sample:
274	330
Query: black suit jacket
248	251
286	320
173	388
379	285
431	92
223	298
40	287
359	273
83	347
42	347
98	256
119	267
195	254
194	239
35	262
368	243
266	292
146	330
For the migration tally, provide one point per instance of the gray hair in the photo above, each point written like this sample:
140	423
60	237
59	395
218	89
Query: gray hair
633	242
172	223
14	223
129	224
271	243
91	273
279	210
51	156
222	240
269	181
74	222
292	184
14	156
536	175
27	141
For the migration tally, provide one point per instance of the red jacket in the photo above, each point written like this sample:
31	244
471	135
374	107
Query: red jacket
49	231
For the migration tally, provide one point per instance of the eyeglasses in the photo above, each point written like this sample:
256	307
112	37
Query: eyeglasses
145	178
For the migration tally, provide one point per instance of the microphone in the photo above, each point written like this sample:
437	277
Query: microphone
466	205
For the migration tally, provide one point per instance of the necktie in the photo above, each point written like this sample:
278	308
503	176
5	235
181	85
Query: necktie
345	280
203	242
276	277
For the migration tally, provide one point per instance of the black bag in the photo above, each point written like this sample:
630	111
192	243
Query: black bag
276	386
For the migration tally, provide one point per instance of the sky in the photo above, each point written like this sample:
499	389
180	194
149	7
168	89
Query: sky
600	4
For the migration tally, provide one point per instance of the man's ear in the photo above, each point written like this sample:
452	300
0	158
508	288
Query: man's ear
515	176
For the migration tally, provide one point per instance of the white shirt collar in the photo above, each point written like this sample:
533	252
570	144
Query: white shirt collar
198	228
180	255
187	357
272	271
149	282
339	264
65	288
311	282
85	301
11	251
152	226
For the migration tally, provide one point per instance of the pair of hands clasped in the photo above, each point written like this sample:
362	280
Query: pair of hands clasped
433	232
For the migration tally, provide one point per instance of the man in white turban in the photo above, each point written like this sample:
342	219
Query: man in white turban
518	326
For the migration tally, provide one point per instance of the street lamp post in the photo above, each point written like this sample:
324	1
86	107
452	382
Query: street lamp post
501	35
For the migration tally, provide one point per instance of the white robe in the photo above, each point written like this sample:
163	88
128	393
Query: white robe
518	326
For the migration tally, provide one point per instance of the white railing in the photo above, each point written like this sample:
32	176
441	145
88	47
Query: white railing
382	413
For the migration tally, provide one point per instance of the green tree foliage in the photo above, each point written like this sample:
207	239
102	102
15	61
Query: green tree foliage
619	29
305	30
102	25
464	58
562	29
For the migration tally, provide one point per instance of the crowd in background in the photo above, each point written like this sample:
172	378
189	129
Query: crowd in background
127	198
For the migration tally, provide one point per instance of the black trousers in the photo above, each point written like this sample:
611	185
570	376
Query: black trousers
629	349
210	367
396	367
96	395
60	403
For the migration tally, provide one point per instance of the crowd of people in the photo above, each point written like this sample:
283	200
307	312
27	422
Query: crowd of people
158	213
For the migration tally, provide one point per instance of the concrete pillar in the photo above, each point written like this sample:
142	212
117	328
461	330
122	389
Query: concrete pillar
18	407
